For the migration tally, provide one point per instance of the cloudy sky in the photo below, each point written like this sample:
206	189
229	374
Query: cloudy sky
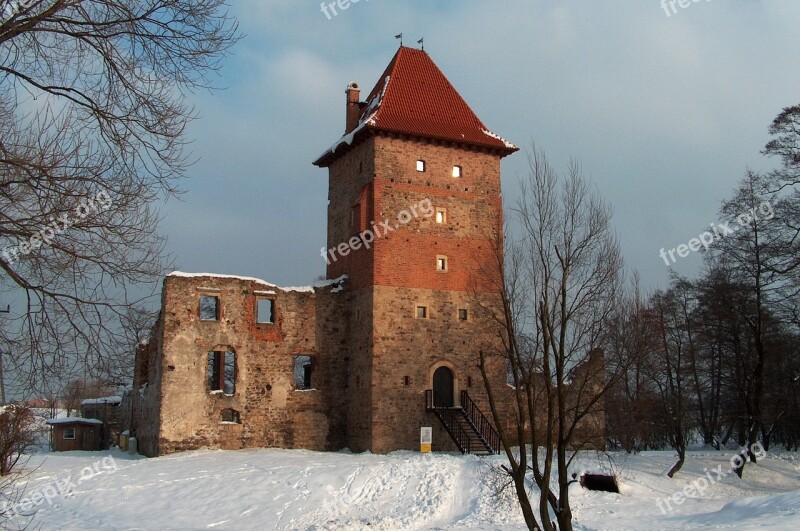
665	112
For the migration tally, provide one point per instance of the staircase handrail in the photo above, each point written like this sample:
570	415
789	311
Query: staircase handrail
479	421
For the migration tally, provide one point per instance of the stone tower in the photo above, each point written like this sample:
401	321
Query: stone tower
414	205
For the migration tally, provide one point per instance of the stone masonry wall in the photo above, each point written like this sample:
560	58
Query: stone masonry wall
415	348
144	399
272	412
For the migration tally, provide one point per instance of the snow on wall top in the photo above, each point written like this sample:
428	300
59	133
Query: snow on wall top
103	400
301	289
72	420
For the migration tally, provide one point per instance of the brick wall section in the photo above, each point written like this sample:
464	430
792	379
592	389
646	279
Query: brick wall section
350	179
380	174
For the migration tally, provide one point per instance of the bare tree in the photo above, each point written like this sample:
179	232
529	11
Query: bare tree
784	192
670	364
785	144
636	424
560	287
92	133
753	254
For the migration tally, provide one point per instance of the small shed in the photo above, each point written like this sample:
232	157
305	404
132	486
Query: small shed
106	410
75	433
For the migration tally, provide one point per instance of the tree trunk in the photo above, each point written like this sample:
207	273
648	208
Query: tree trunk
524	501
679	464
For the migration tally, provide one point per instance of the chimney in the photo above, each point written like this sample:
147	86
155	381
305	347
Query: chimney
353	106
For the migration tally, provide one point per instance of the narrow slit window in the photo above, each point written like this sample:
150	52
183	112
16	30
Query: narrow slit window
209	308
406	381
441	263
456	171
355	218
265	311
420	165
441	215
463	314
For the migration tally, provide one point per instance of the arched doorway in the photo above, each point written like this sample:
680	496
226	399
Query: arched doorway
443	387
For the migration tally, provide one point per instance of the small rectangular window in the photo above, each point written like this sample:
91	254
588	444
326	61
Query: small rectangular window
456	171
420	165
463	314
422	312
265	311
406	381
209	308
69	433
441	215
441	263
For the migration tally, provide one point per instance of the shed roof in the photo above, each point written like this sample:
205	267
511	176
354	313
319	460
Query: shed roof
73	420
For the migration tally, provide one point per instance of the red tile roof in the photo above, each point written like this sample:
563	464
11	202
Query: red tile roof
414	97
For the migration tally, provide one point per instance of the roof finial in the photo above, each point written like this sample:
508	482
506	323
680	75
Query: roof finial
421	42
400	36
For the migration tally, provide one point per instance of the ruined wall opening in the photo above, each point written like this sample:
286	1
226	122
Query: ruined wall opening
303	371
209	308
222	371
230	416
265	311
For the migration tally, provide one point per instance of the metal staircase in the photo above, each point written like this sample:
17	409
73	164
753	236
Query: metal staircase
469	428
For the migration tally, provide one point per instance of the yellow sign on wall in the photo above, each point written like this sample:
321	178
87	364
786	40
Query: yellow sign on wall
425	439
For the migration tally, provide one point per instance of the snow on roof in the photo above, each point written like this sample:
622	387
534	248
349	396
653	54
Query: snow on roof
73	420
413	97
103	400
302	289
508	144
348	138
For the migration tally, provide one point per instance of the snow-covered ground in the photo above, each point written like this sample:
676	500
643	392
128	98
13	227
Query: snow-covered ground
283	489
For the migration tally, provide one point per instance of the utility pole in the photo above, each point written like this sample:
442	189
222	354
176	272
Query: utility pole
2	374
